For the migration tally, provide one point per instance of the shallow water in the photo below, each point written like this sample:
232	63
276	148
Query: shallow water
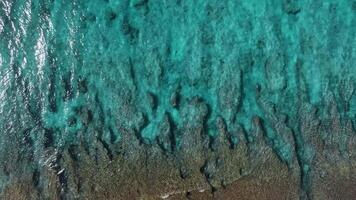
80	71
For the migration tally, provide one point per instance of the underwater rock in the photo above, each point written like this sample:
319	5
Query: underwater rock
195	99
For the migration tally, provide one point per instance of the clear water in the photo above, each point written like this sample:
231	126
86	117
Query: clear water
90	70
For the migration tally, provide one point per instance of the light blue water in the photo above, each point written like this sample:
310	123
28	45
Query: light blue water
92	69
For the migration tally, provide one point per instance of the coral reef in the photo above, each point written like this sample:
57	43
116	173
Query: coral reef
172	99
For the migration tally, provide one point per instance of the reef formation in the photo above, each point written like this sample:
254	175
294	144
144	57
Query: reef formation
173	99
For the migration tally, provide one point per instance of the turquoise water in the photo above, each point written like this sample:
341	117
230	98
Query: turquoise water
91	70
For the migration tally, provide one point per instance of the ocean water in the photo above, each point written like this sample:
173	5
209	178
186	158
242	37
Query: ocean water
80	71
